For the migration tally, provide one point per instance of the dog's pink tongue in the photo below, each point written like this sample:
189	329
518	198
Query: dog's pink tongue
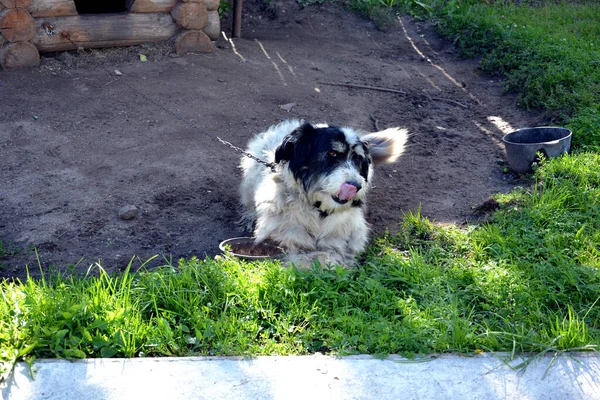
347	191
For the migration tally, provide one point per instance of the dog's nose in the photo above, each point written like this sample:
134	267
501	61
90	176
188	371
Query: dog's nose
357	185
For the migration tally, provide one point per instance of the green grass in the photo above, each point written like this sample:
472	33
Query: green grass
526	280
7	250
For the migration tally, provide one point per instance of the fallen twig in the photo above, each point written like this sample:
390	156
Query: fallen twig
381	89
114	80
449	101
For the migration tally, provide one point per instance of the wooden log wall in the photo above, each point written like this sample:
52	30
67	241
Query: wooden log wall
17	28
150	5
103	30
17	25
30	26
15	3
52	8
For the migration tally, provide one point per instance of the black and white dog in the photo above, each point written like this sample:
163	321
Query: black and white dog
313	204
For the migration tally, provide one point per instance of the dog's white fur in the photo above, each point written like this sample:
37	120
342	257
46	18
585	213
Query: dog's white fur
282	209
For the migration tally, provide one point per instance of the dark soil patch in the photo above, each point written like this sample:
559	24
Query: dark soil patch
77	144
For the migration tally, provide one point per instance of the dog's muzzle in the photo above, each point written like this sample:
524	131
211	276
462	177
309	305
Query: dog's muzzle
347	191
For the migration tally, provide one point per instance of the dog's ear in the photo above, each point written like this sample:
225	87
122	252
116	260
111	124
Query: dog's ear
287	148
387	145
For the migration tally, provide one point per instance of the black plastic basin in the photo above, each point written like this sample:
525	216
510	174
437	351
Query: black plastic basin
523	145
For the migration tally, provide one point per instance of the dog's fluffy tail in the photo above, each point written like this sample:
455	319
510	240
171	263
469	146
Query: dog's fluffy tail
387	145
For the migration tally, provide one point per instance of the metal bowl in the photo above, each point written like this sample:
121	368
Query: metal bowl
245	248
523	145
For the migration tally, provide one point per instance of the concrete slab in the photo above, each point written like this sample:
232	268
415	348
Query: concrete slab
307	377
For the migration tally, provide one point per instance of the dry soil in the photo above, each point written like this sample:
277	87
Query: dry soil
78	142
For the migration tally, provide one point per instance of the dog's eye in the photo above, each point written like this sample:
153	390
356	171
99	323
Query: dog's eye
333	154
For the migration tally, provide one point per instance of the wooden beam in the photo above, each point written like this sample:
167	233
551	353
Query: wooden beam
52	8
103	30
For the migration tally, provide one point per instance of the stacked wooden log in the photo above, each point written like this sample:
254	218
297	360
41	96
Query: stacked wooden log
30	26
17	28
201	24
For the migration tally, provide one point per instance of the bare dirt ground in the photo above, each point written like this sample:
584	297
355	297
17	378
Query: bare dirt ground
77	143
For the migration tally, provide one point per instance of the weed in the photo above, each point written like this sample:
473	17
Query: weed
8	249
224	9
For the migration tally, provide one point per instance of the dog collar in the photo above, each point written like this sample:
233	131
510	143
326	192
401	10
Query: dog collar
323	214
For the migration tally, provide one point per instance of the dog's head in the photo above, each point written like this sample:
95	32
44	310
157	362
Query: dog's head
335	165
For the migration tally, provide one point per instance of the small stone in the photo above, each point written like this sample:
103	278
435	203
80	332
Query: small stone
128	212
180	61
287	107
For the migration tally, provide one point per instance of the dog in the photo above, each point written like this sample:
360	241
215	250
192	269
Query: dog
313	203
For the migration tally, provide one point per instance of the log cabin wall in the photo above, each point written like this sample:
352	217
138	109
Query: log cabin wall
28	27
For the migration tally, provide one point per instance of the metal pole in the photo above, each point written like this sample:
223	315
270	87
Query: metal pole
237	19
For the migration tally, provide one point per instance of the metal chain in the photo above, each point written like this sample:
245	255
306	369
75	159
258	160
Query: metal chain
189	123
